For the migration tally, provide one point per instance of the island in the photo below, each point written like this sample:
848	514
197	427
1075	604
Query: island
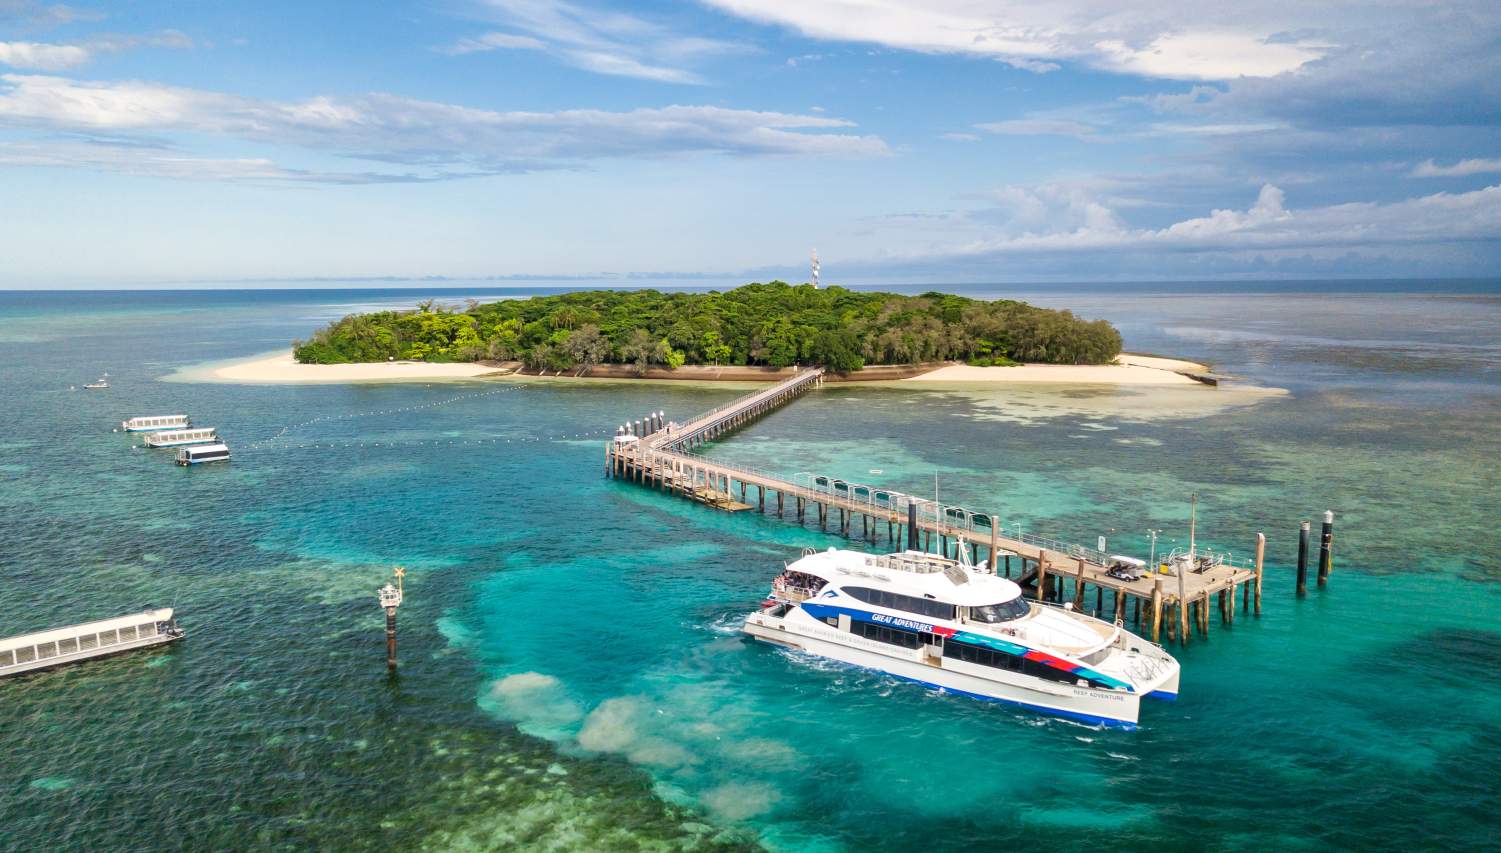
760	326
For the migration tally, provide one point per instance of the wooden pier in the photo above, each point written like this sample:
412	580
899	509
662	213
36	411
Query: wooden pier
658	455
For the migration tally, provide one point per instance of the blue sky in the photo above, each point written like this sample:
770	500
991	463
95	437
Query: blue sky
907	140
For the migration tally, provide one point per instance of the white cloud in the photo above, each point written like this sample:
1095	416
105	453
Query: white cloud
41	57
36	56
444	139
602	62
157	162
1464	168
31	13
493	41
1038	127
1063	220
1180	129
594	40
959	137
1172	39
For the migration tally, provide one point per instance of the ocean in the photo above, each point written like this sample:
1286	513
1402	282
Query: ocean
571	673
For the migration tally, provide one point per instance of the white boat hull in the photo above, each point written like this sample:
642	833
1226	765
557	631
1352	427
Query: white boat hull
1110	707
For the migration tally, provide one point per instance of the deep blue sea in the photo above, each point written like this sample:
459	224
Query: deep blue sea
571	674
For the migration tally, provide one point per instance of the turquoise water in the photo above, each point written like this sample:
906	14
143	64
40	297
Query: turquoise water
571	675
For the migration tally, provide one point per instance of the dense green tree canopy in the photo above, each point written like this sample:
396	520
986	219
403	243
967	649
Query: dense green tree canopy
773	324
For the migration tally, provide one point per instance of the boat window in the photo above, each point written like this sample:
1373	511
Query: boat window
147	630
883	634
26	654
1016	608
7	658
67	647
979	654
108	638
46	650
897	601
88	641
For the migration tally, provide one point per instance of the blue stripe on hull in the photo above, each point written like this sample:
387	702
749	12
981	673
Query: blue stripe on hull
1163	695
1074	715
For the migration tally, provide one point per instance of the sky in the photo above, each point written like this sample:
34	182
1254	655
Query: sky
155	143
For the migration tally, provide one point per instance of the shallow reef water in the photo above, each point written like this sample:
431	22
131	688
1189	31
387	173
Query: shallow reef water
571	672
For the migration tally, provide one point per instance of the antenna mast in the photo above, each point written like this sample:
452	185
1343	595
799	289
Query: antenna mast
815	268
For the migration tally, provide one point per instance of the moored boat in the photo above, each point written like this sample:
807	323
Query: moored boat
150	423
101	382
58	646
949	625
177	437
197	454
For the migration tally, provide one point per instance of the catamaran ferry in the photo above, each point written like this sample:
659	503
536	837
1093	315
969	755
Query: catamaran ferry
949	625
176	437
149	423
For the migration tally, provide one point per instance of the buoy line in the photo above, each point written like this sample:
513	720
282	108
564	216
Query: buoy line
400	409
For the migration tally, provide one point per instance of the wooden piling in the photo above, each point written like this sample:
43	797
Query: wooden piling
1182	619
1303	558
1042	577
995	539
1326	549
1079	586
1260	555
1157	610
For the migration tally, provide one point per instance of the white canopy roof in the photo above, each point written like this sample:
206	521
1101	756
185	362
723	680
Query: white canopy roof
22	641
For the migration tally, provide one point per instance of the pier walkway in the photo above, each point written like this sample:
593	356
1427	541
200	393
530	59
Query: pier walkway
659	455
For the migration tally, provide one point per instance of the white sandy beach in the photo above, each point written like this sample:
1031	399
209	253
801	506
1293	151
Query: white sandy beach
1128	370
282	368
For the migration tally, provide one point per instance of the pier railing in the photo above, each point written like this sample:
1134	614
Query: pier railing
709	421
953	517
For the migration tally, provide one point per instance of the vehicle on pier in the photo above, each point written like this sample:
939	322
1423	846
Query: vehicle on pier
956	627
178	437
151	423
197	454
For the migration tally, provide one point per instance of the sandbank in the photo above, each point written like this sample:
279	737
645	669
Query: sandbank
283	369
1128	369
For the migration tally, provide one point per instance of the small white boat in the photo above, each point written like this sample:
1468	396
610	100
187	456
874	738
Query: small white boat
101	382
149	423
46	649
953	626
177	437
197	454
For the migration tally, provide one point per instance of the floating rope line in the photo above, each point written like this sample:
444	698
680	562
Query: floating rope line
396	411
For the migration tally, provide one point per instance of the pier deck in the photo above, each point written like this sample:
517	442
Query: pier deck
660	456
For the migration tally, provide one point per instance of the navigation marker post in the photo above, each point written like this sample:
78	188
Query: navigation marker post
390	599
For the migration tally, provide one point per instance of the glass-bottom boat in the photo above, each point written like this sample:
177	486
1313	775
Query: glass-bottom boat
952	626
